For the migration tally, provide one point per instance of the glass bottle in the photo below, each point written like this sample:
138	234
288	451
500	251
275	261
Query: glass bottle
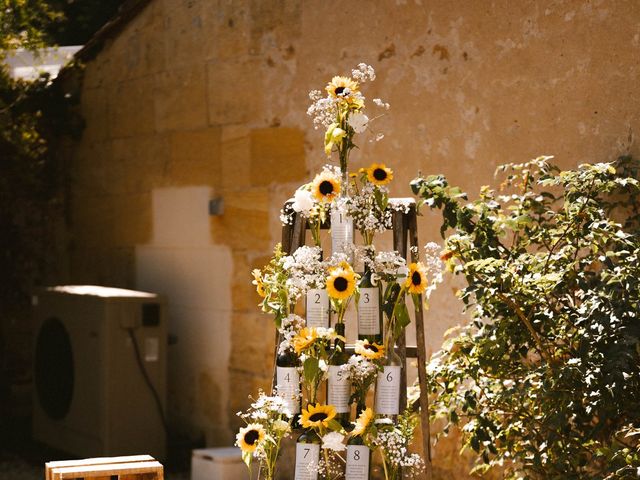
341	221
339	385
358	465
341	227
369	313
307	455
288	382
387	401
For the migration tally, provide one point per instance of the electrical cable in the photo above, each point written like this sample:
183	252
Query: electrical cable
147	380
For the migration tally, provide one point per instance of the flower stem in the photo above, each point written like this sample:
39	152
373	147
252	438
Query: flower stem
384	465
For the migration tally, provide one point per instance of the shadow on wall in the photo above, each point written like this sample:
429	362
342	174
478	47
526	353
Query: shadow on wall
182	263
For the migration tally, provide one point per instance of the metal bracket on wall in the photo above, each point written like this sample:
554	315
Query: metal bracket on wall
216	206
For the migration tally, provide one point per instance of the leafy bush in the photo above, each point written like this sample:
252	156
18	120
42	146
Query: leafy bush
545	380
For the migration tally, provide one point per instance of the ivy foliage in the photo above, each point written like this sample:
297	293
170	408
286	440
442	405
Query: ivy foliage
545	380
34	116
23	23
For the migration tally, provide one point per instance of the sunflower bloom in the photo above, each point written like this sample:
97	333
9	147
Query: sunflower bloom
370	351
325	187
304	339
417	279
317	416
249	437
257	281
379	174
341	282
341	87
363	421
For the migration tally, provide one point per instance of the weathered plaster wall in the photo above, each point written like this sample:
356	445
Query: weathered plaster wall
213	94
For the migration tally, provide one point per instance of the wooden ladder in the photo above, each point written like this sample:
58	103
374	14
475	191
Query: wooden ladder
405	242
138	467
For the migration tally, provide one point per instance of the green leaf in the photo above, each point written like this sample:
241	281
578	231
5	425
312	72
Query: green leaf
311	368
402	318
335	426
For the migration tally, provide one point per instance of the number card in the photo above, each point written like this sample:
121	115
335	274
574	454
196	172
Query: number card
339	389
288	382
357	463
341	231
317	308
388	391
307	456
369	312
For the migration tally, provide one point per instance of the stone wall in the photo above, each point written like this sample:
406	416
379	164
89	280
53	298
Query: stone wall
199	99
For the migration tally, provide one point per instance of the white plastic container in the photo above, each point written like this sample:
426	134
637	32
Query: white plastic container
224	463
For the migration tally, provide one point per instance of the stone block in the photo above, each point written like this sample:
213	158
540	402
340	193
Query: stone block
132	219
139	48
244	296
89	165
137	164
277	155
228	22
245	221
102	266
185	32
131	108
111	220
92	222
180	99
195	157
236	157
233	91
94	111
252	340
280	21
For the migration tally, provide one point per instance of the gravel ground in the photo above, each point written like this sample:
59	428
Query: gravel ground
15	468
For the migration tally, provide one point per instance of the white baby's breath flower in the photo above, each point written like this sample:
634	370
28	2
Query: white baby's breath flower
333	441
380	103
363	73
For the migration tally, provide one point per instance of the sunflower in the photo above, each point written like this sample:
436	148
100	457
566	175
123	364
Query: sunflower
341	87
250	436
379	174
371	351
317	415
341	282
325	187
417	279
363	421
304	339
257	281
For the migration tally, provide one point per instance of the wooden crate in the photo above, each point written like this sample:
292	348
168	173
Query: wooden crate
138	467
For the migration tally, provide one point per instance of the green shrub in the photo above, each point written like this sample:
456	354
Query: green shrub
545	380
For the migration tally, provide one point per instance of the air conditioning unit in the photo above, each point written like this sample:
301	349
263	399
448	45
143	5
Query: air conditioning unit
100	370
